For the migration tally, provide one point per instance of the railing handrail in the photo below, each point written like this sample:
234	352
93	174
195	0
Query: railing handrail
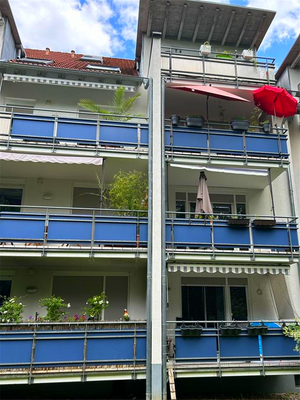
60	323
71	208
4	106
277	321
208	215
227	124
270	60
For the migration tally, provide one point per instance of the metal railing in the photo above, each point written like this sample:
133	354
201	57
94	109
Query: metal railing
49	347
233	60
216	232
208	139
60	128
251	344
66	227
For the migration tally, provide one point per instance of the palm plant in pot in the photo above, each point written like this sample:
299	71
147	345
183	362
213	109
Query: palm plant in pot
240	123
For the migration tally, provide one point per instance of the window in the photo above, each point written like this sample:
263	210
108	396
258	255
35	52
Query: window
36	61
205	299
91	58
85	198
10	197
5	287
222	204
19	106
77	289
103	68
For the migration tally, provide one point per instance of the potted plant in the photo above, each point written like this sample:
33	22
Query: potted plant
257	329
239	123
194	121
193	330
248	54
225	55
264	223
205	49
175	119
238	220
231	329
266	126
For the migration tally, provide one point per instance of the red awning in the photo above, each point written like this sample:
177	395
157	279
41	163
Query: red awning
275	101
210	91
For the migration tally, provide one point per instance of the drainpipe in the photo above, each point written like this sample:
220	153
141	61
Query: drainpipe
149	246
163	235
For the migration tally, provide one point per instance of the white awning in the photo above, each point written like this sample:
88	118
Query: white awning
50	159
225	269
238	171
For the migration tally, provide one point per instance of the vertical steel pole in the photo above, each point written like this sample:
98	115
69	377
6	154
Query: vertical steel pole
271	191
102	184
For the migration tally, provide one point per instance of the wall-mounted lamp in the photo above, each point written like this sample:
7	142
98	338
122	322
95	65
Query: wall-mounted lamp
48	196
31	289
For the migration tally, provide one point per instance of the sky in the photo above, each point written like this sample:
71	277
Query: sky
108	27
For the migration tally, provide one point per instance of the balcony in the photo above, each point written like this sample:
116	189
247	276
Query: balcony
213	353
229	68
75	352
218	141
89	231
261	239
64	132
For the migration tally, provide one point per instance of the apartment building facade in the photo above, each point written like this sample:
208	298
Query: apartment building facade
185	277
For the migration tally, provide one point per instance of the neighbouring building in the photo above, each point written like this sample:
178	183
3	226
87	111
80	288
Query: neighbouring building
197	286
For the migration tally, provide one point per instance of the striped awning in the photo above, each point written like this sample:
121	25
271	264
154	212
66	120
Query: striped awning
226	269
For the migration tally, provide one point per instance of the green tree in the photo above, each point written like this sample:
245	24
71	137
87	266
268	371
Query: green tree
129	191
120	105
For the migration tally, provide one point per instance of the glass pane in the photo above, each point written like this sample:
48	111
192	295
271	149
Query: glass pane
5	287
221	198
238	303
222	209
85	198
192	197
10	197
240	198
214	303
180	207
192	209
180	196
116	290
193	303
241	208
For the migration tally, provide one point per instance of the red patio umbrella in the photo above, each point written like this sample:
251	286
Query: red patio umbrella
275	101
209	91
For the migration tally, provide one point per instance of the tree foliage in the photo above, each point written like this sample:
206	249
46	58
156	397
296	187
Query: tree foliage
129	191
293	331
120	105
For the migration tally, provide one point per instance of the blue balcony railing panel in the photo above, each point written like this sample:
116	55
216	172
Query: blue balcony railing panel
15	351
20	226
72	230
182	232
27	127
226	142
79	131
115	231
278	345
240	346
68	130
195	347
67	347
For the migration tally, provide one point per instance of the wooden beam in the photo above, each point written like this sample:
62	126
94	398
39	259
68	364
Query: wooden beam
213	25
197	23
166	19
184	10
228	27
244	29
150	15
258	31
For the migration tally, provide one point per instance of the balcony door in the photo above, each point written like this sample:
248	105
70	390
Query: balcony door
10	197
214	299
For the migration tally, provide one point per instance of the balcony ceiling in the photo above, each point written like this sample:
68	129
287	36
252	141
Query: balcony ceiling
200	21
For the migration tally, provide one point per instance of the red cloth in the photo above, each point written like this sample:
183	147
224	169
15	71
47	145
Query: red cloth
275	101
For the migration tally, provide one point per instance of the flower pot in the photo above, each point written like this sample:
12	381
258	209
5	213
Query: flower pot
257	330
264	222
205	49
191	330
238	222
175	119
239	125
230	330
225	56
194	122
247	54
266	127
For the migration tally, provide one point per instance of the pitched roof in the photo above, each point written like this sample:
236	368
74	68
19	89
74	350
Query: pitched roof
71	61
